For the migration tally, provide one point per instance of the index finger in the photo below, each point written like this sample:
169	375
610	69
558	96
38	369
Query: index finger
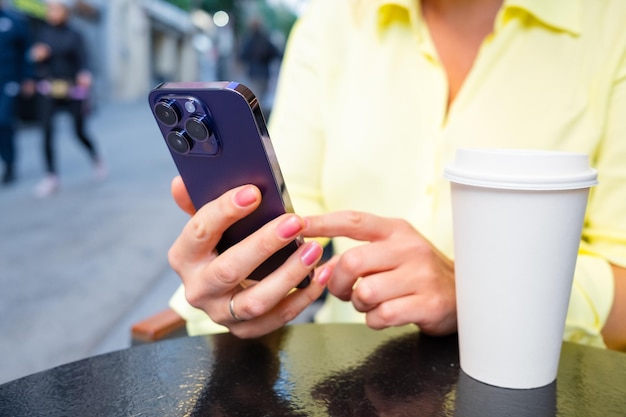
353	224
202	232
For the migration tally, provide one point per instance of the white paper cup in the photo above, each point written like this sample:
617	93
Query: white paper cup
517	221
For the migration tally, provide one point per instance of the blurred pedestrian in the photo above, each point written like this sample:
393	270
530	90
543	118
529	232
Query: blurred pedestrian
14	70
64	84
258	52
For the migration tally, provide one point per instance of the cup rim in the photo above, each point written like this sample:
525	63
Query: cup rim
512	169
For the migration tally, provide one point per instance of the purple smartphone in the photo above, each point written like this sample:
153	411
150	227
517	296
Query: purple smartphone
218	139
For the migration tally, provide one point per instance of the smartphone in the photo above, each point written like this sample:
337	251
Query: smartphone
218	139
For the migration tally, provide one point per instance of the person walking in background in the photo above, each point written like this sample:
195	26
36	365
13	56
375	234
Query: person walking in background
258	52
15	69
64	83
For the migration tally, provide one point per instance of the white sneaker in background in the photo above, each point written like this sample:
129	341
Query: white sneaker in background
47	186
100	171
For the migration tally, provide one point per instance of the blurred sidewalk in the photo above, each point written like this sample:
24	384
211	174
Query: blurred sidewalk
78	268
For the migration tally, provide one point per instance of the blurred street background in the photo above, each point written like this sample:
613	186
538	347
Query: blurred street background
79	267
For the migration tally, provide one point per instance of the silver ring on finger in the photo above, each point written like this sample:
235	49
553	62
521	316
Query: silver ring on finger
231	308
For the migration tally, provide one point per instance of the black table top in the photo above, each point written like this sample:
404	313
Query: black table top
310	370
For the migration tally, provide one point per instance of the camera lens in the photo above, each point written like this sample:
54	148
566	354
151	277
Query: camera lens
179	142
197	128
167	112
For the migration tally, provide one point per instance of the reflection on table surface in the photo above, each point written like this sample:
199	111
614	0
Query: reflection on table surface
310	370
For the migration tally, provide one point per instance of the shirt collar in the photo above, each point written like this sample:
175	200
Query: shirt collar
395	11
565	15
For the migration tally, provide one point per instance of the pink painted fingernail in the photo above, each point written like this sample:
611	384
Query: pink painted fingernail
324	275
245	197
290	227
311	253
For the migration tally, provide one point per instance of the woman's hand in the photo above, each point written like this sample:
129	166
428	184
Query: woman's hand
217	283
40	51
84	79
396	278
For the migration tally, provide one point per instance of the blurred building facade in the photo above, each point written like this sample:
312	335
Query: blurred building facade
148	41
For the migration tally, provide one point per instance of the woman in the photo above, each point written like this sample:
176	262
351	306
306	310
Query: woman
373	99
64	83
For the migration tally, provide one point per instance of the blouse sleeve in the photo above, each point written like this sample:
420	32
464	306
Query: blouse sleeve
297	120
604	233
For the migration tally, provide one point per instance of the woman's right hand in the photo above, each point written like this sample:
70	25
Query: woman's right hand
217	284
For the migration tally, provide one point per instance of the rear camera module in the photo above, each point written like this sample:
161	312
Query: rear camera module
167	112
179	142
197	128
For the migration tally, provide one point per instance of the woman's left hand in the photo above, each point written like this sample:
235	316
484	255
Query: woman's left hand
397	277
84	79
